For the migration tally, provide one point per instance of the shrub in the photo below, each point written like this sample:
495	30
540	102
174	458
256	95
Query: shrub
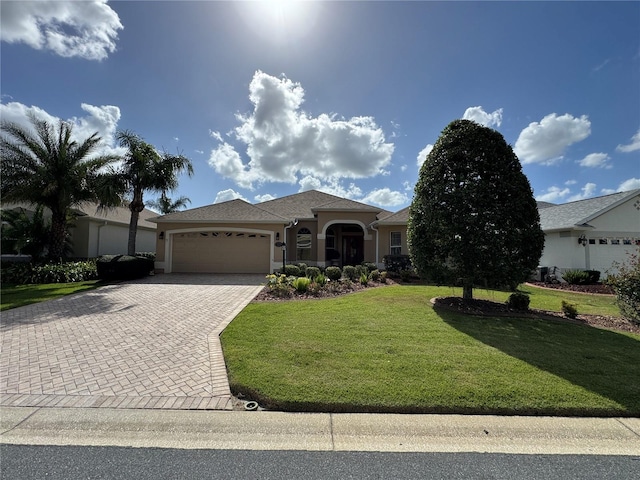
361	270
279	286
123	267
375	275
320	279
569	309
370	266
576	277
303	267
333	273
292	270
301	284
26	273
397	263
406	275
594	276
349	272
518	301
312	272
364	279
149	255
626	285
383	277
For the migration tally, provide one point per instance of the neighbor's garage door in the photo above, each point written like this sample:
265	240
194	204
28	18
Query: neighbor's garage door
221	252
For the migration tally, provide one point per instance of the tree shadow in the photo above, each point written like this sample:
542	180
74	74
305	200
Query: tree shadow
601	361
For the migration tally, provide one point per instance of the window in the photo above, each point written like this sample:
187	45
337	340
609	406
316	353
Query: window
330	239
303	244
615	241
602	241
396	243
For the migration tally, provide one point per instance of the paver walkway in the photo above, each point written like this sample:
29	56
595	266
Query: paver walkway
150	343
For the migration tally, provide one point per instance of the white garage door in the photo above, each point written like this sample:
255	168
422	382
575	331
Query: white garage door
221	252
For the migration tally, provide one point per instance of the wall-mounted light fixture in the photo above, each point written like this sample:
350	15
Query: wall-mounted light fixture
277	236
161	236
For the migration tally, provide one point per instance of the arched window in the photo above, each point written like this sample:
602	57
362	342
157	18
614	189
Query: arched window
303	244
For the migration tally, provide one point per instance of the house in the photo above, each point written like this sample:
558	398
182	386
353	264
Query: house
238	237
104	232
322	229
591	234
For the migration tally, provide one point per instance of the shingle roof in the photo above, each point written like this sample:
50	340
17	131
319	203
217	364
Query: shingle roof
303	205
237	211
399	218
117	214
572	214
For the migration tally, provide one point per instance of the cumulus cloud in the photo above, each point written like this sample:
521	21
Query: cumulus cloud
478	115
264	198
87	29
422	156
228	194
630	184
385	197
631	147
332	186
545	142
596	160
553	194
285	144
103	119
587	191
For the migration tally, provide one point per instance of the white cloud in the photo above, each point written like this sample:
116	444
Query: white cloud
478	115
87	29
553	194
385	197
631	147
215	135
264	198
596	160
408	186
285	144
630	184
544	142
103	119
422	156
570	182
332	186
587	191
200	152
228	194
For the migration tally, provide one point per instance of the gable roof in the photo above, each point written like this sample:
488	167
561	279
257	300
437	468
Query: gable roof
304	205
232	211
577	214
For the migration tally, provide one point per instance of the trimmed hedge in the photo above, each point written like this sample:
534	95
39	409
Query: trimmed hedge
123	267
397	263
32	273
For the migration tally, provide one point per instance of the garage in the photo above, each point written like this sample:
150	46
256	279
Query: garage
221	252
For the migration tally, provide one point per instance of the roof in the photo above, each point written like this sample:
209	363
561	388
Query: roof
577	214
280	210
305	204
401	217
232	211
545	204
90	211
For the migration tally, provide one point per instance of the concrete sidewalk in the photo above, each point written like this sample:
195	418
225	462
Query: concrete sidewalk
262	430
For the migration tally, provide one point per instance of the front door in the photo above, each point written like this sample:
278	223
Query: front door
352	250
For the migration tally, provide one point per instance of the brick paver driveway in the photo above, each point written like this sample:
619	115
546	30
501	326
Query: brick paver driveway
151	343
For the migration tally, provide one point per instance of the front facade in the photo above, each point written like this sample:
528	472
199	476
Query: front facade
319	229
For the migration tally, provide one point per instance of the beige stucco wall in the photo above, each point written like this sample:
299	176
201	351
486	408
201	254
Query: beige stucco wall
384	240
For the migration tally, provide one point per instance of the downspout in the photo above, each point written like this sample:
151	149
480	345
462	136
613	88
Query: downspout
292	223
377	242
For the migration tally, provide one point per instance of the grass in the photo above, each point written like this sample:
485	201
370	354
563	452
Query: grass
388	350
20	295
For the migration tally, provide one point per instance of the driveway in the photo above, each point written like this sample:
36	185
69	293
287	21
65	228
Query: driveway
151	343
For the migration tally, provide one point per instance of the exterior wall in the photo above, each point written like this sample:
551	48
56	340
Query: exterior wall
384	240
332	219
163	239
94	238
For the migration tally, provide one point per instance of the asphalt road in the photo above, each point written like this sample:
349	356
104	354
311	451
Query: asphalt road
27	462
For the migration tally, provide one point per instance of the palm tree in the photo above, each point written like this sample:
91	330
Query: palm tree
166	205
48	168
145	169
25	233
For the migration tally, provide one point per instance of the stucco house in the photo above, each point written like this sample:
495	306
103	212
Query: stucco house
322	229
104	232
591	234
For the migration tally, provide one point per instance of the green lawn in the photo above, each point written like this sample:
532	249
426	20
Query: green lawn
17	296
388	350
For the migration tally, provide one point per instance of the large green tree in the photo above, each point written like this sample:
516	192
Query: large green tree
44	165
473	219
144	169
166	205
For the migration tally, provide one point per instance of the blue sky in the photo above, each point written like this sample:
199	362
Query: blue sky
275	97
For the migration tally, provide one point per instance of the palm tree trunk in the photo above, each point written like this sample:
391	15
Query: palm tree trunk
136	206
58	234
467	290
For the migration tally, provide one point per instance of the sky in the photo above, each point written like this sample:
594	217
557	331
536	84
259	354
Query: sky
271	98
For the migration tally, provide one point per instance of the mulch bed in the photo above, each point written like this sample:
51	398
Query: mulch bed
597	288
494	309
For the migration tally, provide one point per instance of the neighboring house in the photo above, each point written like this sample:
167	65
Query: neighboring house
591	234
104	232
321	229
